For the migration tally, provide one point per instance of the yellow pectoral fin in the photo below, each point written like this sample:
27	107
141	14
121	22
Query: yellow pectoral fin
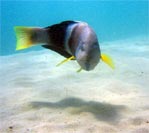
68	59
79	70
108	60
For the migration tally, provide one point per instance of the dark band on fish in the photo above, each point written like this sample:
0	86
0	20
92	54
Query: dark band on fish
57	33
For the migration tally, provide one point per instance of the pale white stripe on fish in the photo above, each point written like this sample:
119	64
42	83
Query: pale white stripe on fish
68	35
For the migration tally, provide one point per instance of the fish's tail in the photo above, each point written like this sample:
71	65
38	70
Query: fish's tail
28	36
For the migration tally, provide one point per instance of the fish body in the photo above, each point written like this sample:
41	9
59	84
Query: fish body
84	45
68	38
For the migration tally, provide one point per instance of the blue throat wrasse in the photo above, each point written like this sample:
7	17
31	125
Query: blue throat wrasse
74	40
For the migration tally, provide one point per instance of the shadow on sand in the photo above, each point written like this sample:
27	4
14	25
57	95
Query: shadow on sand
102	111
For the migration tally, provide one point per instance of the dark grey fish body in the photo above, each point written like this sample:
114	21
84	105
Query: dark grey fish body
84	46
72	38
57	35
68	38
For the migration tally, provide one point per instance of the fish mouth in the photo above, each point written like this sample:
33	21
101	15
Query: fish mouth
85	65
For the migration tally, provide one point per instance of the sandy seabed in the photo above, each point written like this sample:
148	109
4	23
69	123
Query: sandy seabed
38	97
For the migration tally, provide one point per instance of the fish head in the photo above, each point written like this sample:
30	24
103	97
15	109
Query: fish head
88	54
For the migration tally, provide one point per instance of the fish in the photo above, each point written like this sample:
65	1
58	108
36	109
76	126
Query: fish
75	40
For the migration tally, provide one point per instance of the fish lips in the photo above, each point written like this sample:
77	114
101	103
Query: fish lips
88	59
86	65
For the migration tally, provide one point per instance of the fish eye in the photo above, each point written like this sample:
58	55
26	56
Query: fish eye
82	47
95	45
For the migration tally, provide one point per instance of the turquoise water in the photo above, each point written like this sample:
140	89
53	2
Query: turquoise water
112	20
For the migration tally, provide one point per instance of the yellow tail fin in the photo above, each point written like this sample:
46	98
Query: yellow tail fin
23	35
108	60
